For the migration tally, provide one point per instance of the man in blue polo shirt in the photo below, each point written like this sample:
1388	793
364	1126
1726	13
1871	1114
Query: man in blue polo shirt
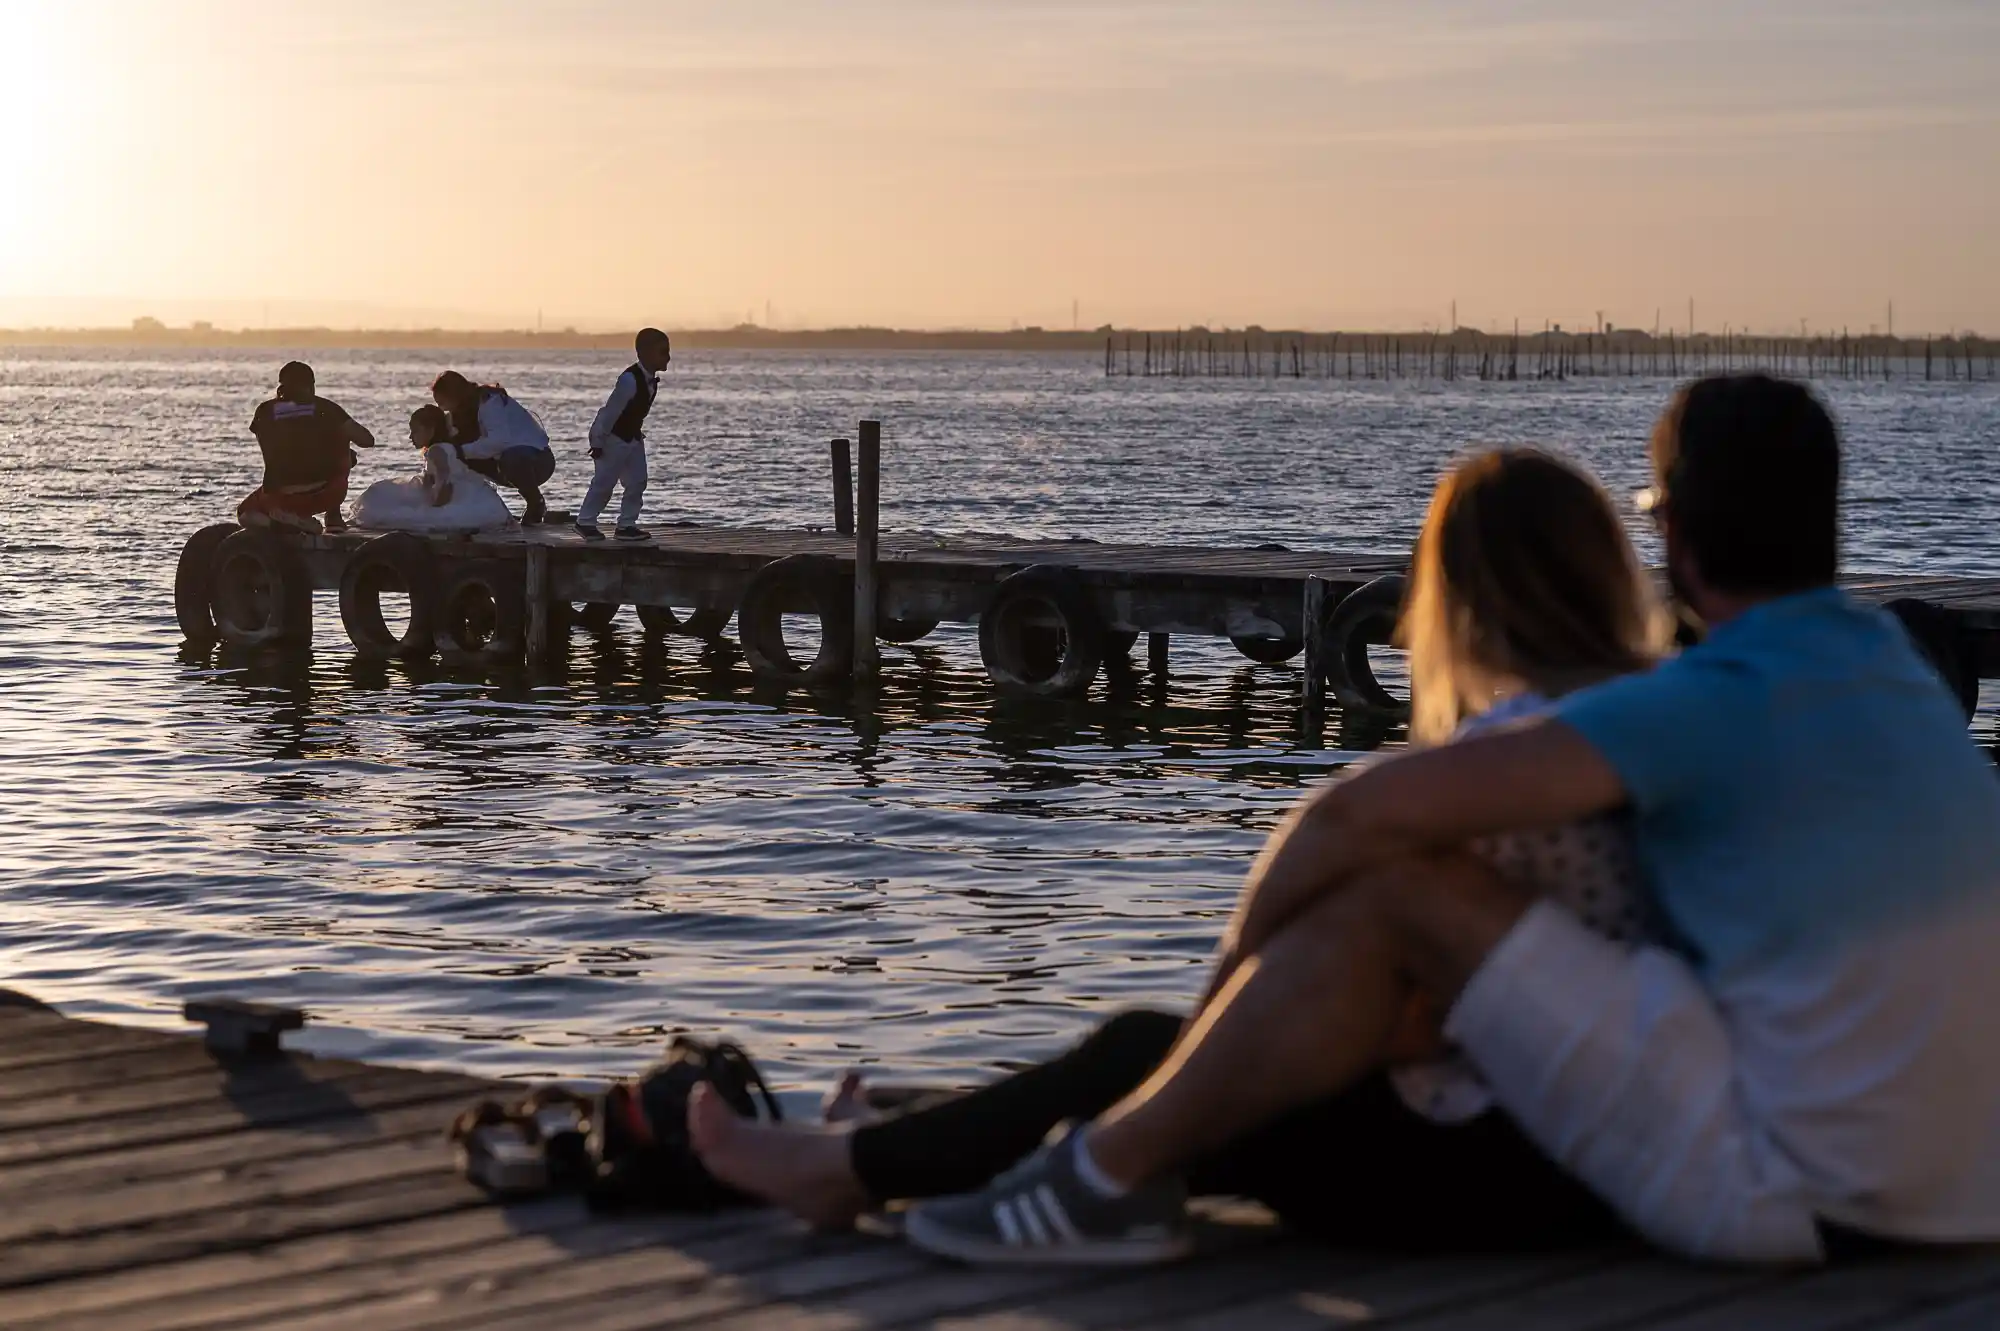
1812	1063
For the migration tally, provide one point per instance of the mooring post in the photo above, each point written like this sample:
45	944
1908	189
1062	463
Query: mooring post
1315	612
1156	654
538	606
867	518
843	490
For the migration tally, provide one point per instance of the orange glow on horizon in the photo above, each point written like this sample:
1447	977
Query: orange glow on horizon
896	162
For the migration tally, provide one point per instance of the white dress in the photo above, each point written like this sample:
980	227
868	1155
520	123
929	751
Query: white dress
405	505
1592	867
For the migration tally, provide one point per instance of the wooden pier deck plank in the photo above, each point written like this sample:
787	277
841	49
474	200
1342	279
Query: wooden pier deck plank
144	1187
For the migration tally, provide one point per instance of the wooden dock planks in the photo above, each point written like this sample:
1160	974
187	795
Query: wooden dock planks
144	1187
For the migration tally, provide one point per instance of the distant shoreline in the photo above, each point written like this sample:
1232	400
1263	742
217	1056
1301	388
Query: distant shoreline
149	334
418	339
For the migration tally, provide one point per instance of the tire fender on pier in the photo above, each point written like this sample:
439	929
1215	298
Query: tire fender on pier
194	583
482	613
1939	639
798	584
904	630
1041	636
705	622
1363	617
260	592
1269	651
394	561
594	616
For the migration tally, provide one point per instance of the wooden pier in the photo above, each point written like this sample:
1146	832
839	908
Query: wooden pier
1051	614
147	1184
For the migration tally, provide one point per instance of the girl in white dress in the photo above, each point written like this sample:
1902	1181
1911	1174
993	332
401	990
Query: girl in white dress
446	495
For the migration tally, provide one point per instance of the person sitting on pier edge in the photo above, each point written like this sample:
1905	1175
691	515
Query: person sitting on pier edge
446	496
1803	1072
1525	588
498	438
308	443
618	440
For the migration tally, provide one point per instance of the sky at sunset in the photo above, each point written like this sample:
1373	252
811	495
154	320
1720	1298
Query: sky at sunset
932	163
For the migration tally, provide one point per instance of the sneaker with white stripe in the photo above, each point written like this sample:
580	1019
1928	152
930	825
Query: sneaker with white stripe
1040	1213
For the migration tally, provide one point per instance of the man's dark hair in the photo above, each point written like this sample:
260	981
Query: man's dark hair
295	381
649	337
1748	470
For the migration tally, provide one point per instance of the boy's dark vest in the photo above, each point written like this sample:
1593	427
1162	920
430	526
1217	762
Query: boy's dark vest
633	419
302	442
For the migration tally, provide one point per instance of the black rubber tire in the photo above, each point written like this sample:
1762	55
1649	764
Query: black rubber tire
1364	616
1938	637
1269	651
594	616
797	583
194	583
481	614
904	630
260	592
1015	649
706	623
394	561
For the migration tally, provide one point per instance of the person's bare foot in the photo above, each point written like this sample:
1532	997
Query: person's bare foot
849	1101
802	1168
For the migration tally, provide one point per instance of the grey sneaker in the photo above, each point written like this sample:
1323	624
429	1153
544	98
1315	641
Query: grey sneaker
632	534
589	532
1039	1213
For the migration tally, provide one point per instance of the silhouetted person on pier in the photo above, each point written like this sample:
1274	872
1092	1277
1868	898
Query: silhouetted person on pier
498	438
307	443
618	440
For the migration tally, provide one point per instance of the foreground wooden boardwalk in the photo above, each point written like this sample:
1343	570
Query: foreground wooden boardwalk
145	1187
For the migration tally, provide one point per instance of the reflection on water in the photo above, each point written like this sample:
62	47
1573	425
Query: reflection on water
543	876
647	838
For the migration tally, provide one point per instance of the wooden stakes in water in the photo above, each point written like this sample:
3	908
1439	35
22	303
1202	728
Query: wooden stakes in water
540	626
866	532
1552	354
843	490
1312	613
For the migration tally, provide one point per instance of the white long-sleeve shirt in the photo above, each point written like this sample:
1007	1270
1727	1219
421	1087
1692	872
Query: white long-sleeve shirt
614	406
504	424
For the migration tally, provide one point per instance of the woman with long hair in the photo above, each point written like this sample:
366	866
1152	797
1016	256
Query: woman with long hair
498	438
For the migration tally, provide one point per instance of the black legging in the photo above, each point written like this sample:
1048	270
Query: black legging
1357	1168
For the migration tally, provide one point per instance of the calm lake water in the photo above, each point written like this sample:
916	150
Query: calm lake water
471	872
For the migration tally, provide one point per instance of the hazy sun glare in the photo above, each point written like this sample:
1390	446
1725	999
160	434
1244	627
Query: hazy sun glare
908	162
30	139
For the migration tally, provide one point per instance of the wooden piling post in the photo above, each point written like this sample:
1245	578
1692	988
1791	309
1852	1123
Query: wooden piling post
866	530
1156	654
1315	612
538	606
843	489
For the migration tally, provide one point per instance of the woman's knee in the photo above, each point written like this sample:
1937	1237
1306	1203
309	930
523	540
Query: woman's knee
1441	915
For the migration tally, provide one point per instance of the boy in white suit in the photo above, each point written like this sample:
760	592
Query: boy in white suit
618	440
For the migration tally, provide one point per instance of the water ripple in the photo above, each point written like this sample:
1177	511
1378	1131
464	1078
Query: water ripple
529	880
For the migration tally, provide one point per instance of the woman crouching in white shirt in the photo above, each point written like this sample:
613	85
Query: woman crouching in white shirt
498	438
